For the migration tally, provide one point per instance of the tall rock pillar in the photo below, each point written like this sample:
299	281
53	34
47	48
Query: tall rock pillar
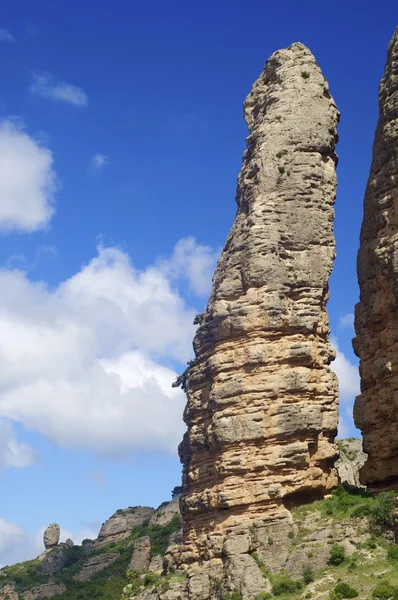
262	405
376	315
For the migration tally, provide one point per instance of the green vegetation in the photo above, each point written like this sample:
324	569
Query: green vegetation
281	170
308	574
233	596
355	503
305	75
337	555
181	380
385	591
283	584
281	153
343	590
392	553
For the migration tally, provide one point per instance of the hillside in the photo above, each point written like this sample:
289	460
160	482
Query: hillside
334	548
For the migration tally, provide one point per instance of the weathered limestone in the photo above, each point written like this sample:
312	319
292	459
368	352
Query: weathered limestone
51	536
351	459
122	523
376	315
262	400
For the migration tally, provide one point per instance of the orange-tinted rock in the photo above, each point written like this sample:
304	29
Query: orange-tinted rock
262	400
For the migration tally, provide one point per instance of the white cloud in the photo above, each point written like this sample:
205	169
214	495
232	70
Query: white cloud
98	162
347	374
346	320
5	36
84	364
27	180
193	262
349	387
12	452
44	85
17	544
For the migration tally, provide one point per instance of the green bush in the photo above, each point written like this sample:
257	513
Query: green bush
392	552
343	590
337	555
308	574
385	591
263	596
283	584
382	512
233	596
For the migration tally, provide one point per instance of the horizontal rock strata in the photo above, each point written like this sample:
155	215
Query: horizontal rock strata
262	400
376	315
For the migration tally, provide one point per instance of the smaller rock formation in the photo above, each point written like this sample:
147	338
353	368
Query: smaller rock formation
141	557
122	523
352	458
51	536
69	543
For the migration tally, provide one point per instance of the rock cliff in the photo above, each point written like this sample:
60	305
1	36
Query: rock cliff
376	315
262	400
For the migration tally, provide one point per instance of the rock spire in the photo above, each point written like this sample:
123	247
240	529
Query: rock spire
262	405
376	314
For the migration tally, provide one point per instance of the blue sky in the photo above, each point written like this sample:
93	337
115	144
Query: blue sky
121	138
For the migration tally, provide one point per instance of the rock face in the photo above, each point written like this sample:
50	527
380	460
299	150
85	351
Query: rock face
141	557
122	523
262	400
164	514
351	459
376	314
51	536
95	565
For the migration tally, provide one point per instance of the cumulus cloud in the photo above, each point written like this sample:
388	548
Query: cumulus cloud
87	364
12	452
44	85
98	162
17	544
193	262
5	36
349	387
27	180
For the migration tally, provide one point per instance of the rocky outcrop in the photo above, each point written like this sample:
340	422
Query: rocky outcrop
166	512
262	400
122	523
46	590
351	459
95	565
376	315
141	557
51	536
53	560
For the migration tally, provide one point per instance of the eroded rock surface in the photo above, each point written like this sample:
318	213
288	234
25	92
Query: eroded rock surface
51	536
95	564
262	400
351	459
122	523
141	557
376	315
